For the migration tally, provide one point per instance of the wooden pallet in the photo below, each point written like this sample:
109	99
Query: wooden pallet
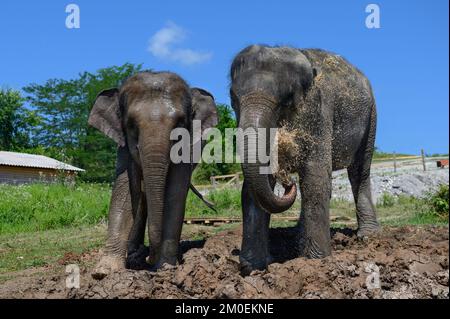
227	220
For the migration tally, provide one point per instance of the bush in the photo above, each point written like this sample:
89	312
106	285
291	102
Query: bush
438	201
433	209
203	171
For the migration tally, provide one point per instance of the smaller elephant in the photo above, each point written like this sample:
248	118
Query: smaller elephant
149	188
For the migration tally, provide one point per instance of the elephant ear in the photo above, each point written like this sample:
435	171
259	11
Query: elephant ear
204	109
105	115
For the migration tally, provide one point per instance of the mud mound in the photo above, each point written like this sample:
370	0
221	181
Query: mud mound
406	262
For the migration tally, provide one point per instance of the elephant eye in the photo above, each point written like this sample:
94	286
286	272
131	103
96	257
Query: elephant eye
132	131
234	100
287	99
178	121
131	123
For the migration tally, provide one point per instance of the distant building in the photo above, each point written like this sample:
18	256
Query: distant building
22	168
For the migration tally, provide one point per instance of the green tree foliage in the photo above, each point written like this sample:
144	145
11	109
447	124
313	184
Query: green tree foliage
63	133
15	121
204	171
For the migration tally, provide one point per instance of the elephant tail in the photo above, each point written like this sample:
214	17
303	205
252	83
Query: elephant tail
199	195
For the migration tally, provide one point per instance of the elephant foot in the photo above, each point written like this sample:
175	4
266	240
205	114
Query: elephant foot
247	265
134	248
107	265
172	261
366	231
162	263
310	248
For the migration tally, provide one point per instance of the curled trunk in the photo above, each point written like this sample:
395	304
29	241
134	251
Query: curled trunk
260	114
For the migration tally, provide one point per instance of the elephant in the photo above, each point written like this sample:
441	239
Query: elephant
330	105
149	188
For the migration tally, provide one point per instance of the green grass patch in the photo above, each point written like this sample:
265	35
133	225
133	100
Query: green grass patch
38	207
432	209
403	210
36	249
226	201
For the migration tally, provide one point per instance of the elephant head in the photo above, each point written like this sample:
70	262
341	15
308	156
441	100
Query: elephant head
265	84
140	115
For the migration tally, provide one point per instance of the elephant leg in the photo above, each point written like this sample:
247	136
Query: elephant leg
359	176
255	238
120	221
177	187
139	206
314	223
137	234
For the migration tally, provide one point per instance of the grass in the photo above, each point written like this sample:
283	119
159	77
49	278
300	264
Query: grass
37	249
38	207
226	201
403	210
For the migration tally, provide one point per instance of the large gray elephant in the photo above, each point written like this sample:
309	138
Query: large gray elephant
149	188
330	106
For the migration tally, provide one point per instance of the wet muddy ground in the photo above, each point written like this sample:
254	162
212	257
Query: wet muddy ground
402	262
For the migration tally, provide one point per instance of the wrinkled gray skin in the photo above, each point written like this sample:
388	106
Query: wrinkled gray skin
331	104
149	188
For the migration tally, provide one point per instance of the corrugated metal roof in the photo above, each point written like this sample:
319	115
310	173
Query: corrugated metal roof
32	160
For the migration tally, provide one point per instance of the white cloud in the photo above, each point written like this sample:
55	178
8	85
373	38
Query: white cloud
162	46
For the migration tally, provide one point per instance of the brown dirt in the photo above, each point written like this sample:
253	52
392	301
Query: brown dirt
412	263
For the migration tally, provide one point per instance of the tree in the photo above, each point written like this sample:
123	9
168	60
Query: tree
63	107
15	121
205	171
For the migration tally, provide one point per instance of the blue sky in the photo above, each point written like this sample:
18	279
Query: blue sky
406	59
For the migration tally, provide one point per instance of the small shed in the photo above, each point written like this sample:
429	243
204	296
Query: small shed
22	168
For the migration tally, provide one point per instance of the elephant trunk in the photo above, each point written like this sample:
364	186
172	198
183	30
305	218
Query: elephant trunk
258	111
154	154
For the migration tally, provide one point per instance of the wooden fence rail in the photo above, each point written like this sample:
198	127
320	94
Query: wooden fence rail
233	179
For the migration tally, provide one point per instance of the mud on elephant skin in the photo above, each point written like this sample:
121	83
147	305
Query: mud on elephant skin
327	107
149	188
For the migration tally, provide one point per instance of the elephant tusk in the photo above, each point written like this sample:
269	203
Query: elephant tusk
199	195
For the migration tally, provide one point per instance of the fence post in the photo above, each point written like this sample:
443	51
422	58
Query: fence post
236	181
423	160
395	162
